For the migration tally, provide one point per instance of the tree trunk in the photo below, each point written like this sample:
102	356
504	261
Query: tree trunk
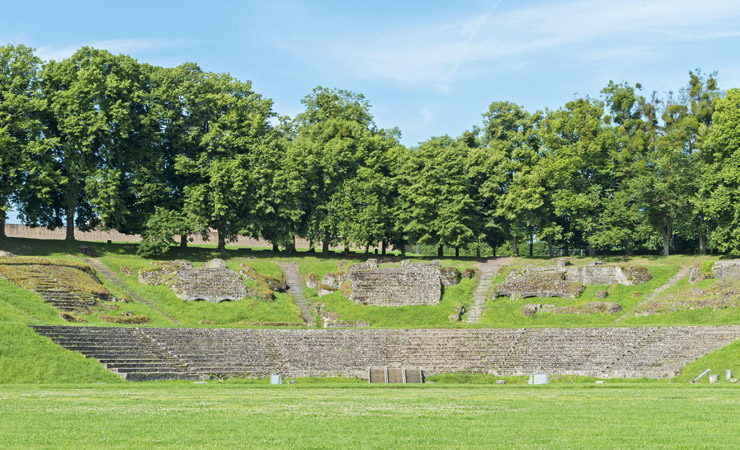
221	240
70	224
591	249
383	246
630	245
457	252
531	244
703	243
667	239
325	244
367	248
477	252
440	251
2	226
566	251
403	248
514	248
183	241
494	250
275	247
549	247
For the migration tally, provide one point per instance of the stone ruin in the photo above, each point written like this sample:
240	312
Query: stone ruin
68	285
213	283
567	281
411	283
721	270
587	308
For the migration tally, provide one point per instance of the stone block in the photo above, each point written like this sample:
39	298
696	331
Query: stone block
409	284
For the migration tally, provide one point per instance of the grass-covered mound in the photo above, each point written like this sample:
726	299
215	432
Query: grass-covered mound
726	358
26	357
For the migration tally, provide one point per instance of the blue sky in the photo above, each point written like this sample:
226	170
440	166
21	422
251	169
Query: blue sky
430	68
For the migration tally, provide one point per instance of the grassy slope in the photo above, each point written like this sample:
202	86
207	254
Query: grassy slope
26	357
726	358
177	415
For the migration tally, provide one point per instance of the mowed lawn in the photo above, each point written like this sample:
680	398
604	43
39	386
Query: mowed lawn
235	415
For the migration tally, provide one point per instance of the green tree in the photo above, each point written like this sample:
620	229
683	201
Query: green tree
335	137
512	193
438	206
21	130
92	123
579	160
724	162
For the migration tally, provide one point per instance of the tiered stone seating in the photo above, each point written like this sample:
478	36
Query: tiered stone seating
127	352
150	353
65	298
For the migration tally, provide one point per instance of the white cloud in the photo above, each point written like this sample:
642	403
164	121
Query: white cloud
433	53
427	115
125	46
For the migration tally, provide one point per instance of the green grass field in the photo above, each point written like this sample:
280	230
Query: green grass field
224	415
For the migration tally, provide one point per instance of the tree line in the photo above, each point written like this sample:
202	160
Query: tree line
101	140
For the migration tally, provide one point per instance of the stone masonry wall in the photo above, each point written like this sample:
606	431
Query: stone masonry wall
654	352
24	231
411	284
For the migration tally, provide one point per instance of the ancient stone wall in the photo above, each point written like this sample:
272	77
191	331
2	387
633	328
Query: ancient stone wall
24	231
726	268
214	282
654	352
410	284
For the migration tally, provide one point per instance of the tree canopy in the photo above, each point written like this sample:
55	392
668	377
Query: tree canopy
101	140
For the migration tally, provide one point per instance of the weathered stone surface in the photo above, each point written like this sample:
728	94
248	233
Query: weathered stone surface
523	283
4	254
449	276
216	263
603	274
469	273
334	280
587	308
696	275
601	294
312	281
69	317
265	281
409	284
68	285
456	316
213	283
566	282
726	269
614	352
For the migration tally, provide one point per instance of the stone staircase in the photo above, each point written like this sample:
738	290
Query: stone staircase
488	271
295	287
127	352
72	300
682	273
